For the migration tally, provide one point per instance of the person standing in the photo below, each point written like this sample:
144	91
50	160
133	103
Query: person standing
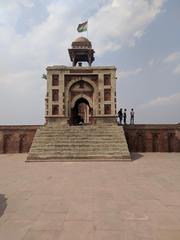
132	116
120	116
124	116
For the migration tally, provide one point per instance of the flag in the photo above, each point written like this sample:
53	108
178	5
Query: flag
82	27
44	76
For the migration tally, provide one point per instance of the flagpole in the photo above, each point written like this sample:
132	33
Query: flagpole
87	29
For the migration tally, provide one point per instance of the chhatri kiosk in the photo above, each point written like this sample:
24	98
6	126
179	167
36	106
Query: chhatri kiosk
80	112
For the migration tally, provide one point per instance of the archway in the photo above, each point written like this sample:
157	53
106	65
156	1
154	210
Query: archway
81	112
84	87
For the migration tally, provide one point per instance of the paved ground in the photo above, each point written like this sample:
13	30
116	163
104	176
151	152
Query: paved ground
90	201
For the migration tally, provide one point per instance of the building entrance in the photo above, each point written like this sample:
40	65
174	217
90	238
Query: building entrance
81	112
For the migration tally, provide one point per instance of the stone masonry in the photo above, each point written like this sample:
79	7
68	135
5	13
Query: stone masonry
133	136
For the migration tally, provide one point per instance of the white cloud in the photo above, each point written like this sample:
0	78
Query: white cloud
151	62
177	70
172	57
130	73
12	3
26	3
121	22
22	98
160	110
138	34
112	25
162	101
154	62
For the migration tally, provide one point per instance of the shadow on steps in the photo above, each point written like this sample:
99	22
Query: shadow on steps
135	156
3	204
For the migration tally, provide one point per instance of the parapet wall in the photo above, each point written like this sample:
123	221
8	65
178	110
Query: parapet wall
16	139
153	137
140	138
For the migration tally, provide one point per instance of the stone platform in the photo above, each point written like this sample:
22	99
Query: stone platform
93	201
99	142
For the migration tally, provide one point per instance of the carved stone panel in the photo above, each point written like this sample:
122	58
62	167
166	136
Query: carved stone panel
55	80
107	94
107	79
107	109
55	109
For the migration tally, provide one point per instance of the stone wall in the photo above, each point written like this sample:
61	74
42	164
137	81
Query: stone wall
140	138
153	137
16	139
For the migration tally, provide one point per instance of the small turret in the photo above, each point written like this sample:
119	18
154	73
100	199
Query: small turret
81	51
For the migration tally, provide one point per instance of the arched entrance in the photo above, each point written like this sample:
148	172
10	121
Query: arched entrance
81	88
81	102
81	112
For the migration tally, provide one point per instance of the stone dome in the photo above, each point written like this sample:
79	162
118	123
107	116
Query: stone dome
81	39
81	42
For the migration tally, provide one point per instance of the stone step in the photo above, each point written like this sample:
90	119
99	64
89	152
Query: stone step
79	150
73	151
76	155
73	136
62	138
81	129
32	157
82	159
87	148
80	136
81	145
102	126
74	144
79	142
82	132
71	146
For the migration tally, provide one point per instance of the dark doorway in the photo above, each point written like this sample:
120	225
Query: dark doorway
23	143
155	143
140	143
171	142
81	113
6	143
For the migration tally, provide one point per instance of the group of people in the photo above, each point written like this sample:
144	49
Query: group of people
122	116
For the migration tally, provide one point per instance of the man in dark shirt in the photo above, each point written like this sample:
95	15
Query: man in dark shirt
124	116
120	115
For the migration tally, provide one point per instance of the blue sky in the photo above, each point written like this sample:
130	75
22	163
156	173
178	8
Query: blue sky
141	38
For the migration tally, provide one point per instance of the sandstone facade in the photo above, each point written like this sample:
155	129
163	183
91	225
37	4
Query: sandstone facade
69	86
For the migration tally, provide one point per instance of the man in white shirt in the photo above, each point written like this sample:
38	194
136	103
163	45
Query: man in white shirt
132	116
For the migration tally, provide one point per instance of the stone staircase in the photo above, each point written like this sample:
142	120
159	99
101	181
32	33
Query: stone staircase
102	142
